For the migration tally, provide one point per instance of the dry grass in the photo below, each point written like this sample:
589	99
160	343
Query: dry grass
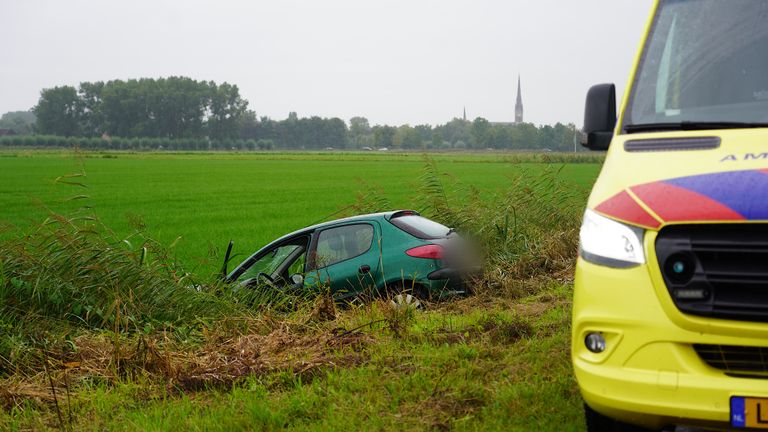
15	394
220	361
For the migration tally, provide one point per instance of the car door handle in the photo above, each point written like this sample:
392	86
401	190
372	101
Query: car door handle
365	268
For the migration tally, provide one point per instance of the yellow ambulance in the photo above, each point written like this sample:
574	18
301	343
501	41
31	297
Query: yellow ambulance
670	309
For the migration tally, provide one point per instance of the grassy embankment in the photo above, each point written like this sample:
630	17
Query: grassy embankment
113	332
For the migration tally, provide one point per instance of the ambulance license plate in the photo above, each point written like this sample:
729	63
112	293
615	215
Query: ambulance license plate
749	412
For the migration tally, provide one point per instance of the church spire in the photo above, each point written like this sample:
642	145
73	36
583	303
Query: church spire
519	103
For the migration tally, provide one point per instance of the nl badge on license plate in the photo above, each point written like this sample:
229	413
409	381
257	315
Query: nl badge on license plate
747	412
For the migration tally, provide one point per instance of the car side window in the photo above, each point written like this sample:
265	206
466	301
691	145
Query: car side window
342	243
276	260
298	266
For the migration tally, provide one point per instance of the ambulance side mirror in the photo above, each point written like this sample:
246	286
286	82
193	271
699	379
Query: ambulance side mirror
599	117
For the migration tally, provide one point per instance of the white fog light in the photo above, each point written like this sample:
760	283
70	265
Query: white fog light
595	342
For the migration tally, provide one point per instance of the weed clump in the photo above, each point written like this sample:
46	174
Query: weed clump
75	270
504	330
324	309
71	274
397	316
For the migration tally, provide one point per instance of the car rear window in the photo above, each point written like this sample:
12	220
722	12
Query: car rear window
420	227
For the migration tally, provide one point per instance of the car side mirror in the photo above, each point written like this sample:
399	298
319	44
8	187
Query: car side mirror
297	279
599	117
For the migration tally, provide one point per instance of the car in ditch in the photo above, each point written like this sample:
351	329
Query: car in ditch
390	253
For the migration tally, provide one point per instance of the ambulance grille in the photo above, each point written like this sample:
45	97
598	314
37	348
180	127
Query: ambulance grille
716	270
742	361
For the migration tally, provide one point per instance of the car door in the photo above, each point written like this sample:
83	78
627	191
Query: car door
275	264
346	258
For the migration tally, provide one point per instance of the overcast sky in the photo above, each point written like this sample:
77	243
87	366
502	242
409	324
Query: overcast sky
394	61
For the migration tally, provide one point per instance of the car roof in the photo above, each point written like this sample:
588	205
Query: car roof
382	215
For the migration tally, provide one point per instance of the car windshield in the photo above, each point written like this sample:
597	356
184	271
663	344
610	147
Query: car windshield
706	61
420	227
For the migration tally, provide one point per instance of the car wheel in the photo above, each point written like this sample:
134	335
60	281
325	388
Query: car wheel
597	422
408	294
405	301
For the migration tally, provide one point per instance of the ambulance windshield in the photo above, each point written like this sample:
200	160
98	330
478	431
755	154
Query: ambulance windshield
705	63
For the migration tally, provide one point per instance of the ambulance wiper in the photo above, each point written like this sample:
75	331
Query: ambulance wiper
690	125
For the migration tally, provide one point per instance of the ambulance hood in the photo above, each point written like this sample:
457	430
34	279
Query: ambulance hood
650	180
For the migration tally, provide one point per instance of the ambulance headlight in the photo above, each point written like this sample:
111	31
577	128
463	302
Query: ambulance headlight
609	243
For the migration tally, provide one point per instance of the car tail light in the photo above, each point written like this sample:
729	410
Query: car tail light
430	251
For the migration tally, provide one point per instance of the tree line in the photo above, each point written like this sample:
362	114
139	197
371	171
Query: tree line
18	122
183	114
175	107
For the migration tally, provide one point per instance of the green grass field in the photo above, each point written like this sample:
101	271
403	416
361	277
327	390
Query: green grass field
208	199
498	360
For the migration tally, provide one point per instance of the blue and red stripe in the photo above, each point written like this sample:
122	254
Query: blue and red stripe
745	192
623	207
724	196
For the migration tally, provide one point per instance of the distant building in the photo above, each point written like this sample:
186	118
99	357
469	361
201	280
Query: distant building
519	104
7	132
518	108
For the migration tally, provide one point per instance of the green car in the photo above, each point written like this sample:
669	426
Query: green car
381	253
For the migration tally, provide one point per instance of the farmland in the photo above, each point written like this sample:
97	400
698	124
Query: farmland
494	361
206	200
